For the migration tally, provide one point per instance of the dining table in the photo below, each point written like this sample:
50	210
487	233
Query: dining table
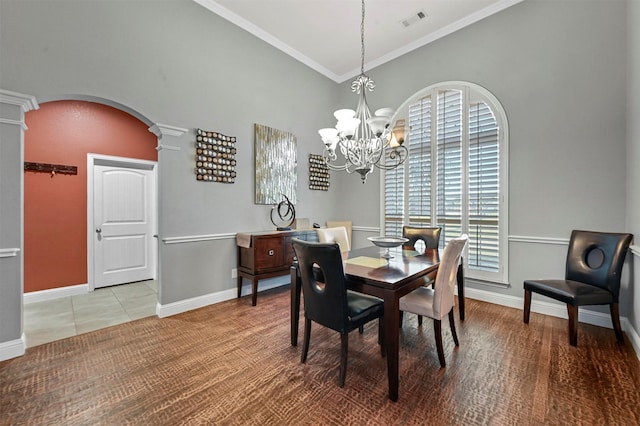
369	270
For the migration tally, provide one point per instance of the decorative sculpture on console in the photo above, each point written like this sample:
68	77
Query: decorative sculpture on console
286	212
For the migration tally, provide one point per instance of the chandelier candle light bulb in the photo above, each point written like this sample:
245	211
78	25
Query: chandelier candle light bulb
363	138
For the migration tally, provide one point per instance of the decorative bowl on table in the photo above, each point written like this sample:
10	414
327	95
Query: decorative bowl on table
387	243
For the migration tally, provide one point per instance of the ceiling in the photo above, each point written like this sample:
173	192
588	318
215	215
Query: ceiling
325	34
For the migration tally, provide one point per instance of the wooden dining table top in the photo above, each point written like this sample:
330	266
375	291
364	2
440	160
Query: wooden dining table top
366	264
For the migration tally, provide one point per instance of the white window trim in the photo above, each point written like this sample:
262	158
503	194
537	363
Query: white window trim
502	276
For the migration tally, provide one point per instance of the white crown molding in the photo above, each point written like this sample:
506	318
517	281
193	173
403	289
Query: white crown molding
225	13
27	102
9	252
442	32
13	348
266	37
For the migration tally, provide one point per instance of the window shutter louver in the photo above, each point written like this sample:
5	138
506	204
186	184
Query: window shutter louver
484	189
419	202
449	164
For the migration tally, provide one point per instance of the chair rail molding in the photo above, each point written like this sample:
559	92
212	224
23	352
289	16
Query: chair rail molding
198	238
635	250
538	240
9	252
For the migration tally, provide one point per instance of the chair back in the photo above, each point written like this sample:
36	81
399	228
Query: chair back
348	226
430	236
324	302
443	297
335	235
597	258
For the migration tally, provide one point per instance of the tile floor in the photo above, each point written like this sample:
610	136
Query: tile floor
68	316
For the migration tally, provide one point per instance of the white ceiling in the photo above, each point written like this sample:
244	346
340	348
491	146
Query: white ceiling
325	34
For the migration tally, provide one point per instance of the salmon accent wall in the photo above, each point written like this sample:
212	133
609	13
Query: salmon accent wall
55	207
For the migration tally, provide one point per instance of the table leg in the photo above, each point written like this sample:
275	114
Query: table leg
295	305
392	340
254	292
460	279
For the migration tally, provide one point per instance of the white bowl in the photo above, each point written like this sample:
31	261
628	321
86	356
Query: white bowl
387	242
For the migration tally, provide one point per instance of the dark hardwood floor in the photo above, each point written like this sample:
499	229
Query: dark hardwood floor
231	363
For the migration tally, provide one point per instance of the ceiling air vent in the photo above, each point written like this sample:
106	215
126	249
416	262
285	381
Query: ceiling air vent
419	15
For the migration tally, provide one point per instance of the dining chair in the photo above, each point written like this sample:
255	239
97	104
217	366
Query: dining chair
329	303
592	277
430	237
438	302
348	225
337	234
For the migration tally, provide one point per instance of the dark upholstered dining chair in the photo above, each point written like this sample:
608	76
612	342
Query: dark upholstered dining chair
592	277
329	303
438	302
430	237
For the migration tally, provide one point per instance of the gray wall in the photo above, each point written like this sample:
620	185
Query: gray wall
633	154
558	67
559	70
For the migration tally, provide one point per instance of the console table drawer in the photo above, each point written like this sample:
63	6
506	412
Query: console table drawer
269	253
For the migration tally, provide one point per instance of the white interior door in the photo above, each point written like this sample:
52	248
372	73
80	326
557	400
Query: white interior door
123	221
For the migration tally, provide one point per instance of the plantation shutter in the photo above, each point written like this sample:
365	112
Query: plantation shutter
449	164
484	188
393	200
419	202
458	148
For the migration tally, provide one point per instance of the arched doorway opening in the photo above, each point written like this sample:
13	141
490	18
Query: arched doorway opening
66	131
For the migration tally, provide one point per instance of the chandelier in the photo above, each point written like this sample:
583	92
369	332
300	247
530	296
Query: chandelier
363	138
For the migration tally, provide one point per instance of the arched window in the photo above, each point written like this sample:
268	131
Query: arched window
456	173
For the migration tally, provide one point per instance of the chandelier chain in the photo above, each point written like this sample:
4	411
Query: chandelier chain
364	140
362	40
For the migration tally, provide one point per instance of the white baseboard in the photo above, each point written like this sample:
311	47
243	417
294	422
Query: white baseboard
55	293
13	348
632	334
556	310
209	299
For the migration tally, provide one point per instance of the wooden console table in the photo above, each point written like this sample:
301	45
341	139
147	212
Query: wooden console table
266	254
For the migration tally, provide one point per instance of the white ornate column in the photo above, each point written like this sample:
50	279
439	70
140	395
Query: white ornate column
12	126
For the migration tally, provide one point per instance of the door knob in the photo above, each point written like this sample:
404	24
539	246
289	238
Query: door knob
98	230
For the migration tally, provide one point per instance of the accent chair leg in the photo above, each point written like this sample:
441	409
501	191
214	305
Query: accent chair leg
305	342
361	329
527	306
615	319
437	328
452	324
400	318
344	343
419	320
573	324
